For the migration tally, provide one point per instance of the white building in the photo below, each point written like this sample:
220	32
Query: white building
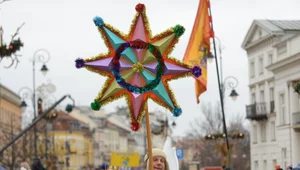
273	50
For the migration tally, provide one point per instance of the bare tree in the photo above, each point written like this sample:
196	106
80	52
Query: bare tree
15	44
241	147
18	151
210	122
212	151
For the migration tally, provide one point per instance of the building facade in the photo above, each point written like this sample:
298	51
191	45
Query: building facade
10	111
67	143
191	153
10	125
273	53
111	133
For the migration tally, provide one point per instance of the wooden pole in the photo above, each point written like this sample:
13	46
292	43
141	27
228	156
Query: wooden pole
149	139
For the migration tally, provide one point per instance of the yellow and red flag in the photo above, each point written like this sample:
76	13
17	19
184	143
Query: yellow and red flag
199	45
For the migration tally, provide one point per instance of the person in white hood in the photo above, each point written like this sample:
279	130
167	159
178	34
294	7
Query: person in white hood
159	160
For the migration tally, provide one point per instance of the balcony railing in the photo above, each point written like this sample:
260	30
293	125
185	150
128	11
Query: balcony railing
272	107
257	111
296	121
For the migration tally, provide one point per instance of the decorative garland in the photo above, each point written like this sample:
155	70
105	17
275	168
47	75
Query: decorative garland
14	46
237	135
297	87
8	51
51	116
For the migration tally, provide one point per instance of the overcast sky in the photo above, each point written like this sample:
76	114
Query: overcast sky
66	29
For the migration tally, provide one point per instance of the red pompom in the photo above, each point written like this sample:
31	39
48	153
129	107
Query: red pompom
135	126
10	47
140	8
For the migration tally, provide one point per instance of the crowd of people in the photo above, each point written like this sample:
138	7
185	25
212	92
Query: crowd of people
159	163
297	167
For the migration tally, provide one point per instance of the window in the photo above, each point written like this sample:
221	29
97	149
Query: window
253	98
265	164
273	135
299	103
256	165
261	65
272	102
272	94
259	33
263	132
284	156
281	50
283	153
262	96
270	59
282	109
252	69
254	134
274	162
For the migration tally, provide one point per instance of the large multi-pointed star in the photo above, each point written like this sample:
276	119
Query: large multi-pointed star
138	66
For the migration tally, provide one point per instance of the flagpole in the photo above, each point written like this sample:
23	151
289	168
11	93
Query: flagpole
149	141
220	90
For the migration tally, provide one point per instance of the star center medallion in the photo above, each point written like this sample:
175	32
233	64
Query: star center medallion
137	67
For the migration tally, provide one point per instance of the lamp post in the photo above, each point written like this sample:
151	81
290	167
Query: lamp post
42	56
229	82
27	94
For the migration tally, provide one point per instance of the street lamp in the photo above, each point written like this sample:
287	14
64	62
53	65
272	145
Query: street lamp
210	57
44	69
230	83
233	95
26	94
23	106
42	56
174	124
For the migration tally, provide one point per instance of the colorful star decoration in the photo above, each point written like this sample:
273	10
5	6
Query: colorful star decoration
138	66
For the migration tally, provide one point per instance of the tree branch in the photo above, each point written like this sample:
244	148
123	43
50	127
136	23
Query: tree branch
14	57
17	32
1	2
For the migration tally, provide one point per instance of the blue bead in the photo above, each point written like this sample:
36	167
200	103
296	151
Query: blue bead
98	21
177	112
136	91
118	80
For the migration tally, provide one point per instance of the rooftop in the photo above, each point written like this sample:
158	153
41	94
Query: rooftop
281	25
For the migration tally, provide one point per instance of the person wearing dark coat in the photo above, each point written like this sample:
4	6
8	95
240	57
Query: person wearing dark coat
297	167
37	165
